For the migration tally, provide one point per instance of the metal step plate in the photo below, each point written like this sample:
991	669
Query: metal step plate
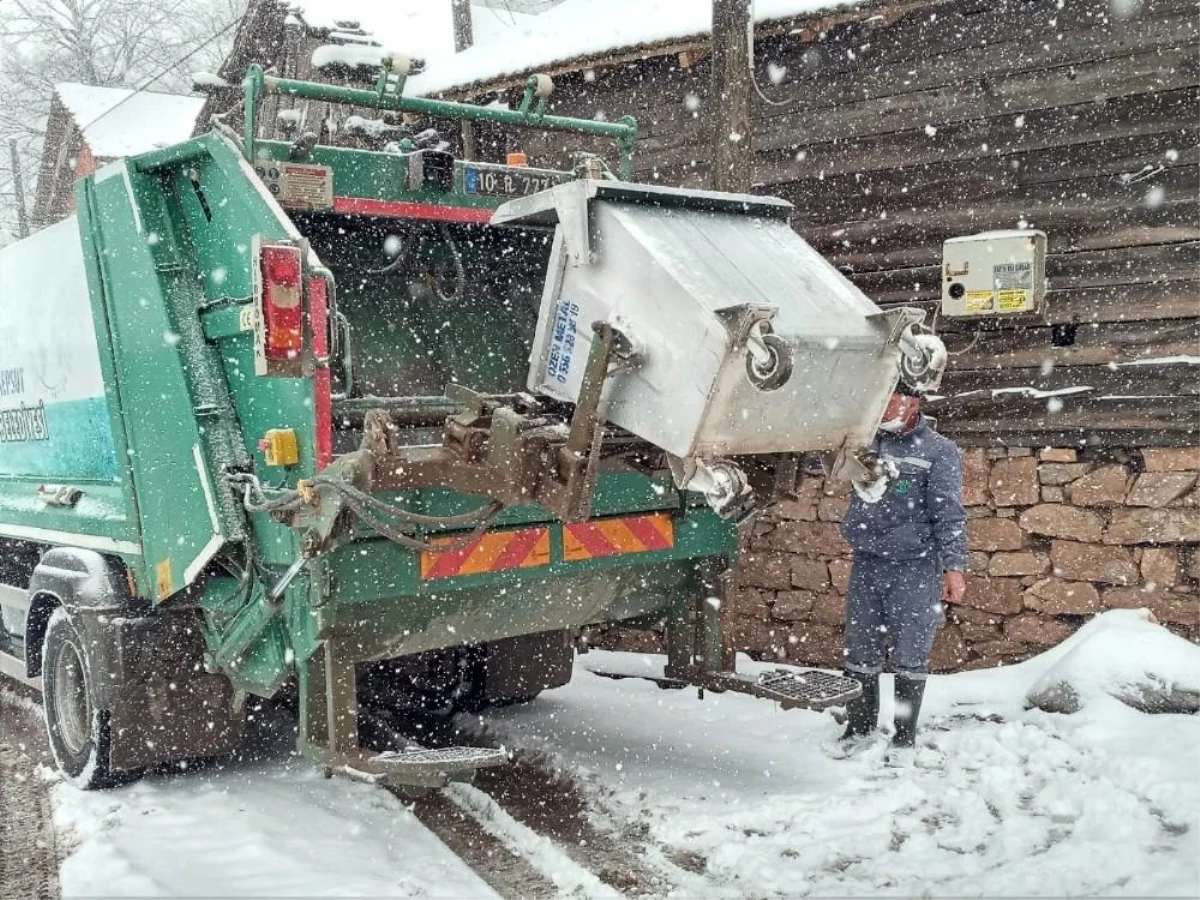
442	761
807	689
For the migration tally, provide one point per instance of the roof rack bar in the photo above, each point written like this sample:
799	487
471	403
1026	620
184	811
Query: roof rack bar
257	84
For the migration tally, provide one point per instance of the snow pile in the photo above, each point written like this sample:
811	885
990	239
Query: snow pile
349	55
1023	803
1123	654
579	29
1037	393
118	122
416	28
208	80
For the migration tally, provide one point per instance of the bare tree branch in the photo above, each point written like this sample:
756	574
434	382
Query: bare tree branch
109	43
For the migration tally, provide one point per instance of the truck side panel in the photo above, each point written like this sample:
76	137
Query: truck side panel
57	423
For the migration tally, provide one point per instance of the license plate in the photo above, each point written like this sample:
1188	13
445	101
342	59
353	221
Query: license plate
508	181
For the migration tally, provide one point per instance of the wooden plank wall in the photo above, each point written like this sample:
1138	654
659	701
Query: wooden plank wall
919	121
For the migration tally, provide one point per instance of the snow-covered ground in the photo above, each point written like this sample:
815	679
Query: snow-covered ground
1012	802
273	828
1020	803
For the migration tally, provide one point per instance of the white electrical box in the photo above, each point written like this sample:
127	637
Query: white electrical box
996	273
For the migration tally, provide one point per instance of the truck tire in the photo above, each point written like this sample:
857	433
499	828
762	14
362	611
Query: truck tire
77	729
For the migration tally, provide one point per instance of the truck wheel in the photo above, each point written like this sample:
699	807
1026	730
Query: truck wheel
77	729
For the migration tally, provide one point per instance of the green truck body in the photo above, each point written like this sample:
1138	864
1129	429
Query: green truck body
168	542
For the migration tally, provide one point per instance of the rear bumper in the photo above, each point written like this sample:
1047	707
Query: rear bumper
381	598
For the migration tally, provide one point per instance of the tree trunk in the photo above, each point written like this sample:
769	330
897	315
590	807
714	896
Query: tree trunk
18	182
731	96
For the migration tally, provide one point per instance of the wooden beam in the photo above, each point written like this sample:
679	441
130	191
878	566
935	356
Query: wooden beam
730	100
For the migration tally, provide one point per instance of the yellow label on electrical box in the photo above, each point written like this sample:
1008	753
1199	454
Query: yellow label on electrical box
1012	300
280	447
979	301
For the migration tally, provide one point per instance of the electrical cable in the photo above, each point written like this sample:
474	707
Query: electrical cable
753	79
460	272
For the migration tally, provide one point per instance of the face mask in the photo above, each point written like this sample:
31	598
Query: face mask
892	426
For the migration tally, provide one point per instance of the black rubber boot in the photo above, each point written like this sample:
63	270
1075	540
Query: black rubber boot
863	713
909	692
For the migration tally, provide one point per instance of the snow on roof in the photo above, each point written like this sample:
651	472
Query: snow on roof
581	29
416	28
118	122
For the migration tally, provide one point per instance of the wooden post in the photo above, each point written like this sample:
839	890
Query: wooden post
19	190
464	37
730	100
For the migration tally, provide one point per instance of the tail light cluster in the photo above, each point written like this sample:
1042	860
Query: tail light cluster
291	319
281	269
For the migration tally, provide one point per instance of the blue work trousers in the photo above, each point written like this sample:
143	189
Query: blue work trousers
892	606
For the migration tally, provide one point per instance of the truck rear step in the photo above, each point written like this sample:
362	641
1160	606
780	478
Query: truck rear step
419	767
807	689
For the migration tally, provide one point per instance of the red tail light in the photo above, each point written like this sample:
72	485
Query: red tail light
318	303
283	320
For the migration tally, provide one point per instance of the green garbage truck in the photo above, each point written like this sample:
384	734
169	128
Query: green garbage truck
383	430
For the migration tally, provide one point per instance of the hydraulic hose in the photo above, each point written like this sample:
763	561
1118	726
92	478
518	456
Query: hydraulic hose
368	509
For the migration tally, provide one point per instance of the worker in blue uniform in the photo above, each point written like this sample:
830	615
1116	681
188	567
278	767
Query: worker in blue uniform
907	530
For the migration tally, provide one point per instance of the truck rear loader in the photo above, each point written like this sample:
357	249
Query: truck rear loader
386	430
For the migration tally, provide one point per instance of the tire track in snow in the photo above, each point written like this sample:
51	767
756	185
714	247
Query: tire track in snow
569	878
533	800
28	856
508	873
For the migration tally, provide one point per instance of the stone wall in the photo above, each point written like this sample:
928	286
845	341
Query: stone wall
1055	537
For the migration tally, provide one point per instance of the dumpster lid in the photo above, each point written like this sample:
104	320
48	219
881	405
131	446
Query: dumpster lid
567	205
543	207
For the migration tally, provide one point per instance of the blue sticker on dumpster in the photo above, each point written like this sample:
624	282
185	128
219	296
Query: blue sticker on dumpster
562	342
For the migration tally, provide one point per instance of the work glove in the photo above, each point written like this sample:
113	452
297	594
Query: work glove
872	490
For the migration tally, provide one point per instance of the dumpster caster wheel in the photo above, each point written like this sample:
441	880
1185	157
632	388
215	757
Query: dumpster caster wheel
775	373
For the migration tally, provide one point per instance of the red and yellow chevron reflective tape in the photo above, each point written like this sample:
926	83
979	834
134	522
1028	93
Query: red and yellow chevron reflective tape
611	537
495	551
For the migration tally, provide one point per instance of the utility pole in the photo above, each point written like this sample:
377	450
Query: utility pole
730	99
19	191
464	37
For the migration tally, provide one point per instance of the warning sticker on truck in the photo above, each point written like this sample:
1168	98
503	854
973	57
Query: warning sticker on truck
495	551
310	187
